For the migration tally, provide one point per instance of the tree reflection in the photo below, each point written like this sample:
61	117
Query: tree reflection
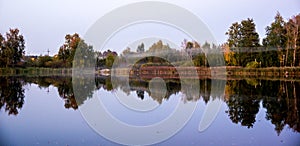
281	99
140	94
65	90
284	109
243	98
243	104
276	112
243	109
83	88
11	95
63	85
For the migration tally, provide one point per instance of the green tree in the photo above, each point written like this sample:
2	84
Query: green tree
243	39
67	50
109	60
159	46
249	36
275	33
274	42
85	55
44	61
2	57
64	53
11	48
234	35
249	42
140	48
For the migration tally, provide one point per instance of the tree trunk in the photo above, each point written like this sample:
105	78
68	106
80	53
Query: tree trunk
295	45
286	55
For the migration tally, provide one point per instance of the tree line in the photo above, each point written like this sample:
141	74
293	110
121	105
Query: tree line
279	48
74	46
65	55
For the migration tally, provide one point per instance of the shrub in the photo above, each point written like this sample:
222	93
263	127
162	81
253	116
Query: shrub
252	64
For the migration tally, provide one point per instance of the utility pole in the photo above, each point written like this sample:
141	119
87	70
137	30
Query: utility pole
48	52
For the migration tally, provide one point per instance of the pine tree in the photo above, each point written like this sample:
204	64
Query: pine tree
275	41
242	39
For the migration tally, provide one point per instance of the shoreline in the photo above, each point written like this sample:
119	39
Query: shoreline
166	72
200	72
35	71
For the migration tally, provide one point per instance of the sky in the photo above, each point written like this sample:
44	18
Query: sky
44	24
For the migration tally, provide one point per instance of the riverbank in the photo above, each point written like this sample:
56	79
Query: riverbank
286	72
213	72
35	71
167	72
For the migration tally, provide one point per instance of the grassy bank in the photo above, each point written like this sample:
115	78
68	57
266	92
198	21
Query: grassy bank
264	72
270	72
35	71
229	71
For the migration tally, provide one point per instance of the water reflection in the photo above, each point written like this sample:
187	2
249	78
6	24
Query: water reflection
280	99
63	85
11	95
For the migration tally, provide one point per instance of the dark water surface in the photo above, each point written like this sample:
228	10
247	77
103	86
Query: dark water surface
44	111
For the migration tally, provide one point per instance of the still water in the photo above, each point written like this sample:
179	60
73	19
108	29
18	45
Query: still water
45	111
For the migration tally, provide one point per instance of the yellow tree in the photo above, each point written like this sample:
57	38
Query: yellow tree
67	50
229	55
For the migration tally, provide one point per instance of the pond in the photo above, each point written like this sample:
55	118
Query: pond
59	110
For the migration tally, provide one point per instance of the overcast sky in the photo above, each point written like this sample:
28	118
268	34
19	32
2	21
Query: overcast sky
45	23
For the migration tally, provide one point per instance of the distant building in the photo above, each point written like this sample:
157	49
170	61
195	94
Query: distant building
30	57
